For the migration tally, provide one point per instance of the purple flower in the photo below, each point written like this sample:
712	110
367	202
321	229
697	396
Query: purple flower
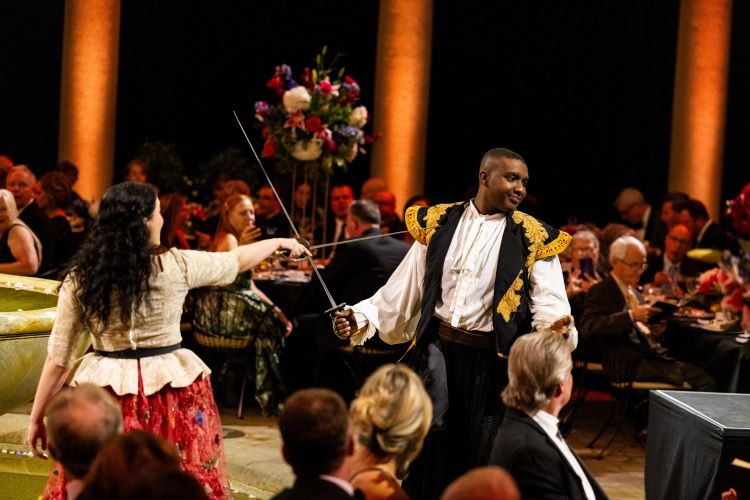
349	132
284	71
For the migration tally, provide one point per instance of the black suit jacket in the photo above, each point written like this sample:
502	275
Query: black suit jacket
38	222
535	462
688	268
655	230
716	237
315	489
356	271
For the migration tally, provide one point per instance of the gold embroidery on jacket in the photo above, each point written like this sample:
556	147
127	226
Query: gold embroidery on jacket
412	224
512	298
554	247
535	234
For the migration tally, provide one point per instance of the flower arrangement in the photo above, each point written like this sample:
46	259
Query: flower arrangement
739	209
316	123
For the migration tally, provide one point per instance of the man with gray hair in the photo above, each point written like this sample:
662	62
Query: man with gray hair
528	443
616	314
642	217
80	421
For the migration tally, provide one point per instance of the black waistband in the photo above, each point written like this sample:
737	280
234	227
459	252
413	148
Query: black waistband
140	352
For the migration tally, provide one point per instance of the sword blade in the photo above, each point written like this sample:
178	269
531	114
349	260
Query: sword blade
286	214
355	240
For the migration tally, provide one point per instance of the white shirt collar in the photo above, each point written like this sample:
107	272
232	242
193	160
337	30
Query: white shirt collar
547	422
339	482
474	213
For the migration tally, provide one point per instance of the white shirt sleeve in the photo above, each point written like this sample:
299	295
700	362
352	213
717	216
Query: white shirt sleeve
394	310
549	302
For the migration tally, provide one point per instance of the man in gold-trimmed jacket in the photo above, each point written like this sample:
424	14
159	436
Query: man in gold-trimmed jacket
461	296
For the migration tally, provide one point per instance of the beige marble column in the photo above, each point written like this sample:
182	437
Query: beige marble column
402	86
88	96
700	97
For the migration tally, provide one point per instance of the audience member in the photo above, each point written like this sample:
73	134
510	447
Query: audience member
335	228
371	187
79	422
54	198
389	220
21	182
260	321
315	443
224	187
641	216
528	443
615	313
163	482
78	212
20	250
483	483
670	271
269	217
706	233
607	236
174	214
305	213
5	165
137	171
390	419
121	459
584	247
356	271
668	216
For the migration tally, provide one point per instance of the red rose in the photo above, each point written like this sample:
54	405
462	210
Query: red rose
269	149
277	84
313	124
326	87
265	133
330	145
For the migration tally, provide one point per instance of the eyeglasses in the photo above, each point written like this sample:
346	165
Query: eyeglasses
679	241
633	266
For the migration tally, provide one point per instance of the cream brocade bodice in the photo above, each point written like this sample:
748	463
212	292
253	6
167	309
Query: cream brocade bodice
159	326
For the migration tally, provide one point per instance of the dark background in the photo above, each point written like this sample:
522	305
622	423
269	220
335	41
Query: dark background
583	90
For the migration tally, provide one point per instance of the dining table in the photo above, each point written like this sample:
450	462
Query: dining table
718	346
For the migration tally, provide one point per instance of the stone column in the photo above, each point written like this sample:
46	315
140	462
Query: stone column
402	85
88	95
700	97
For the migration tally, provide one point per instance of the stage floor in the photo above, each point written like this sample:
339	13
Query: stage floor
257	470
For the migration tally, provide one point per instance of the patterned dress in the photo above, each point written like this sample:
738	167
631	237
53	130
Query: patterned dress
169	394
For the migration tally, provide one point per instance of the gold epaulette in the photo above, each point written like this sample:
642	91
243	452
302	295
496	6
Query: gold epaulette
555	247
422	222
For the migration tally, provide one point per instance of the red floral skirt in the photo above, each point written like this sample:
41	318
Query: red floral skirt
185	416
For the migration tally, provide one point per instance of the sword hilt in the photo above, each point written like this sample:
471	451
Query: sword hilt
332	311
284	253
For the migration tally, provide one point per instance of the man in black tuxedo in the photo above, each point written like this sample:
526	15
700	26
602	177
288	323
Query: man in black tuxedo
615	314
642	217
316	440
706	233
670	270
356	271
528	443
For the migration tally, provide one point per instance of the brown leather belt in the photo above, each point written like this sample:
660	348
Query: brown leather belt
481	340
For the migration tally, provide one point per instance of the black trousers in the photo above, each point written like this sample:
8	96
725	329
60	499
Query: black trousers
465	390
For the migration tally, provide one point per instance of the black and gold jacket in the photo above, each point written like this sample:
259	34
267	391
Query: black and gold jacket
525	240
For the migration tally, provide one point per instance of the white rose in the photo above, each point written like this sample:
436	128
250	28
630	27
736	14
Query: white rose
307	151
358	117
297	98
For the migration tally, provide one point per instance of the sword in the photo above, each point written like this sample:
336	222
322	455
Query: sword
334	307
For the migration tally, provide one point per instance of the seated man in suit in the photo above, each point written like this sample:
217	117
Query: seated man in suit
356	271
706	233
528	443
615	313
670	271
315	441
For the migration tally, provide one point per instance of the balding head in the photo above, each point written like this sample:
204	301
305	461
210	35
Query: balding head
631	204
483	483
79	421
21	181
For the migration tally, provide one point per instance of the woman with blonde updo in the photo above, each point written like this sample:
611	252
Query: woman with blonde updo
390	420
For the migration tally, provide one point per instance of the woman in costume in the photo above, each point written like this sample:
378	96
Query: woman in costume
130	298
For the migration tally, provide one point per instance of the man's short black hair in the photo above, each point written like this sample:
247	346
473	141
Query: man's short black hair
695	208
366	211
314	427
675	197
498	153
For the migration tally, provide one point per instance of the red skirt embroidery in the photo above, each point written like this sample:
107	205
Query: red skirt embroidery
185	416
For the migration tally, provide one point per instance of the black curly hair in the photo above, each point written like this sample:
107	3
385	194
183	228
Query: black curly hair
117	255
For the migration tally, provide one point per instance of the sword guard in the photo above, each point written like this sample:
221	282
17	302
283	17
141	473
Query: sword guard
332	311
284	253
